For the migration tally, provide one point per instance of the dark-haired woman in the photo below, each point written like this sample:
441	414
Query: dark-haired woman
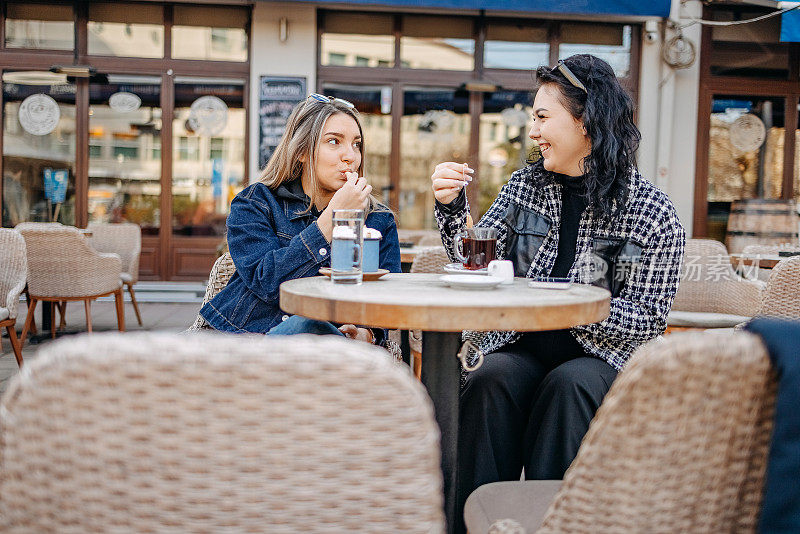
581	211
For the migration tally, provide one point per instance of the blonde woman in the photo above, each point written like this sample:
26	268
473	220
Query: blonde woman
280	227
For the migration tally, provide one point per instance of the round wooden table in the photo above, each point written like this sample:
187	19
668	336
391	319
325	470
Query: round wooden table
423	302
765	261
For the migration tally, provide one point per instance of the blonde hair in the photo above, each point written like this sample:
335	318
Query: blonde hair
301	138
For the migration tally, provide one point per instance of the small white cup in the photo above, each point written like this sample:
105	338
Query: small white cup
502	269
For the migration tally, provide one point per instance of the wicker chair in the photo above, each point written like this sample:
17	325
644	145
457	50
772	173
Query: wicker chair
782	296
125	240
155	432
679	445
63	267
13	274
220	275
711	294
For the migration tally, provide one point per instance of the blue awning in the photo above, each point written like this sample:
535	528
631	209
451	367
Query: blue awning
640	8
790	26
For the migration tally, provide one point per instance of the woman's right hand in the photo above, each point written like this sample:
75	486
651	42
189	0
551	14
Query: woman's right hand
448	179
353	195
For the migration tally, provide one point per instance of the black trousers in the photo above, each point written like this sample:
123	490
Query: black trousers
529	405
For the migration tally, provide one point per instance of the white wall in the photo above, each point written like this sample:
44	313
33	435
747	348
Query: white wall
649	101
678	165
668	101
295	57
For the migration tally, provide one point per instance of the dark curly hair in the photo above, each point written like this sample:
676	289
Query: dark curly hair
606	110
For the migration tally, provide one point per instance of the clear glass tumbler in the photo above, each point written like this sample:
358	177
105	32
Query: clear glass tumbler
346	247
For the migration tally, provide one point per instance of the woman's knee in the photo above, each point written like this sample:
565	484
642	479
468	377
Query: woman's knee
580	378
492	374
297	324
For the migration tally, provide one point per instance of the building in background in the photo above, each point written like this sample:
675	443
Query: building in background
159	112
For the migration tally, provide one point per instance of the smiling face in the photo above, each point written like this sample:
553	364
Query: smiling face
338	151
561	137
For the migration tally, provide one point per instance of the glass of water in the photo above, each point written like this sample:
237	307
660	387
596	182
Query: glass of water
346	246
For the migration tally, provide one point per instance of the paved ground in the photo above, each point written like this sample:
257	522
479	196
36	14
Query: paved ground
156	316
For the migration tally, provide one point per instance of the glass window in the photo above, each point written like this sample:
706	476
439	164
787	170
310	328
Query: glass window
133	30
216	147
444	43
515	46
751	49
371	46
214	33
745	155
610	42
504	143
374	104
435	127
208	168
38	148
41	26
125	151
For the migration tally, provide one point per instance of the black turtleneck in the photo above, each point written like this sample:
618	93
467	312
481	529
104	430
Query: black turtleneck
573	202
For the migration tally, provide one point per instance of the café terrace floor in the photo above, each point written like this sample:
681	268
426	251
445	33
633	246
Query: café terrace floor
163	316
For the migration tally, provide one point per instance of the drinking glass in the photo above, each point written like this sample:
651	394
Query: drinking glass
476	247
346	246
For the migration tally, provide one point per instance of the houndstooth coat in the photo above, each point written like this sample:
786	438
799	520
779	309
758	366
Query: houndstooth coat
637	255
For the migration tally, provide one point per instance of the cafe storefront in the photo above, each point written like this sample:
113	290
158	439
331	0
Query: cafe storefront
157	113
117	112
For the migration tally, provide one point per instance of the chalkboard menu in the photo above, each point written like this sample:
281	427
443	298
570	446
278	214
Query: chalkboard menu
278	97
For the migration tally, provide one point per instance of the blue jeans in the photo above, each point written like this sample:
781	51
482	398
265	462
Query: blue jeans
297	324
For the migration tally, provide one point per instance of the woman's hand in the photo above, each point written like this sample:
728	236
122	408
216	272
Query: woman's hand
353	332
353	195
448	179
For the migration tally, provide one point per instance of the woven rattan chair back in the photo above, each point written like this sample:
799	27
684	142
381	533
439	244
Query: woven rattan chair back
709	283
123	239
218	278
13	269
430	260
218	433
679	444
782	296
13	274
62	264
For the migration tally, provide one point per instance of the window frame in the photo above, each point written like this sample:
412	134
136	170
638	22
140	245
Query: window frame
399	76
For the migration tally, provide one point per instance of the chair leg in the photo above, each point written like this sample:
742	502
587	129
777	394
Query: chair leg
28	302
53	327
416	364
135	304
87	304
15	344
28	321
62	308
120	301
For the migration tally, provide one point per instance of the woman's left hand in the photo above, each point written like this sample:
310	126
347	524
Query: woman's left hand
351	331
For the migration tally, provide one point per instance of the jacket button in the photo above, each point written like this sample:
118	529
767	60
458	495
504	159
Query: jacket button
323	251
284	317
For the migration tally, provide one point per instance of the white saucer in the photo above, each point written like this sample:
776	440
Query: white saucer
465	281
458	268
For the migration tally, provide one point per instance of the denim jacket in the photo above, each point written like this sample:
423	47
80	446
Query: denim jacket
273	238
